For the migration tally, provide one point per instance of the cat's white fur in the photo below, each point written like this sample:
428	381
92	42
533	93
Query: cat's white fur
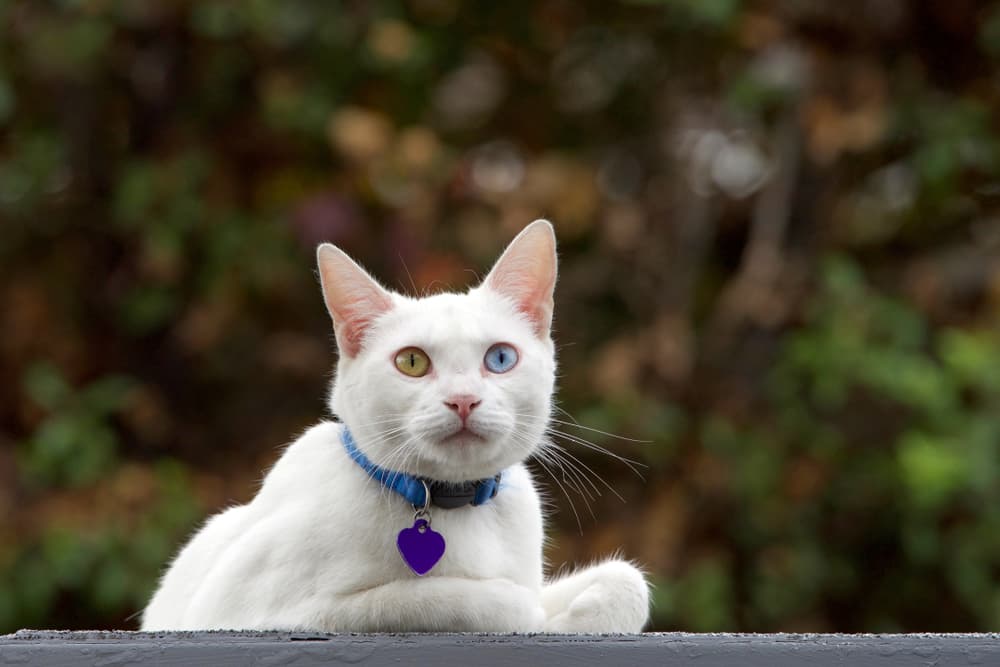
316	548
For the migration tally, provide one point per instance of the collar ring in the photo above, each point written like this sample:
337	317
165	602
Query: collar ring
424	512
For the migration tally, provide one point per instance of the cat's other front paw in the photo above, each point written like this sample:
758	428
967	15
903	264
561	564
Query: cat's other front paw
511	608
612	597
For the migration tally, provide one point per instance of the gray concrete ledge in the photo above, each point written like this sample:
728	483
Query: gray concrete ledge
33	647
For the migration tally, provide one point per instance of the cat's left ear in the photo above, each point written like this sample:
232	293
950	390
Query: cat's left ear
353	298
526	274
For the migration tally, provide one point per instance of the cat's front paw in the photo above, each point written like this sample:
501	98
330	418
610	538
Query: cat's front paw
513	608
612	597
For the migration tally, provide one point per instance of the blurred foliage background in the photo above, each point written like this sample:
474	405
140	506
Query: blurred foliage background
780	242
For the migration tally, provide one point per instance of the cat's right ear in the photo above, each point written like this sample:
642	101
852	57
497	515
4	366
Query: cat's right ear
353	298
526	274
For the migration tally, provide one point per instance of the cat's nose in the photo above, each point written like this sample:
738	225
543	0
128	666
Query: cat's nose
463	405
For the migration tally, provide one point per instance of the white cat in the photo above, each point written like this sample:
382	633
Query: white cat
432	393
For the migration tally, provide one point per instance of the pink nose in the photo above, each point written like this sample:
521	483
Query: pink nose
463	405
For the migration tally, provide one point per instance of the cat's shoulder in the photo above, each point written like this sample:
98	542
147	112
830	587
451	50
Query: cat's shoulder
320	444
321	437
314	452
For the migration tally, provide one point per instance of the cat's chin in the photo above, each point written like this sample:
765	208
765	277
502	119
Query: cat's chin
464	437
461	456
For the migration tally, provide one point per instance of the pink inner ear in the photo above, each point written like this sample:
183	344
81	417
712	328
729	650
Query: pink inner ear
526	274
351	328
353	298
530	298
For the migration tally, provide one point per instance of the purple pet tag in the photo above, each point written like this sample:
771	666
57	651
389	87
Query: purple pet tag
420	547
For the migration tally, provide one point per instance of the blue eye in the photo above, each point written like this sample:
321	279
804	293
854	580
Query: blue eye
500	358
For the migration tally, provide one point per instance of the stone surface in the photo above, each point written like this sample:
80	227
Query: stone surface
34	647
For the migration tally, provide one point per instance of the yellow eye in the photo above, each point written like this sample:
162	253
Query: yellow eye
413	361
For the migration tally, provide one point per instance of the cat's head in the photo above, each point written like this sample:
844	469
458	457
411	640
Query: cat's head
451	386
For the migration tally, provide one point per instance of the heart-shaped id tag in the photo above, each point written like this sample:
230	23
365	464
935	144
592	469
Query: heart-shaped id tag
420	547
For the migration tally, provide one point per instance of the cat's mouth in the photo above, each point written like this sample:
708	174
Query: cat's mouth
463	436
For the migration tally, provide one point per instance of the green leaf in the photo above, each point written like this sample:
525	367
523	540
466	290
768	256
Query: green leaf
705	595
933	468
46	386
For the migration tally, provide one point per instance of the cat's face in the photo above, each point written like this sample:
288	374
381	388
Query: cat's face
452	386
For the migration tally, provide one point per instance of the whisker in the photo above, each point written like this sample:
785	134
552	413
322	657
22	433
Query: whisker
558	407
570	476
572	506
554	452
629	463
597	430
590	470
585	497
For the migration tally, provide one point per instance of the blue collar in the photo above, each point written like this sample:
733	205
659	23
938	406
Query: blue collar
447	495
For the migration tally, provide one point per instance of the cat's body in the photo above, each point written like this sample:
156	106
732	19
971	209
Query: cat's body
316	548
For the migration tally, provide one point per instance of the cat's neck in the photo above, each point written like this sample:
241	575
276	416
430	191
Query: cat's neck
415	490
